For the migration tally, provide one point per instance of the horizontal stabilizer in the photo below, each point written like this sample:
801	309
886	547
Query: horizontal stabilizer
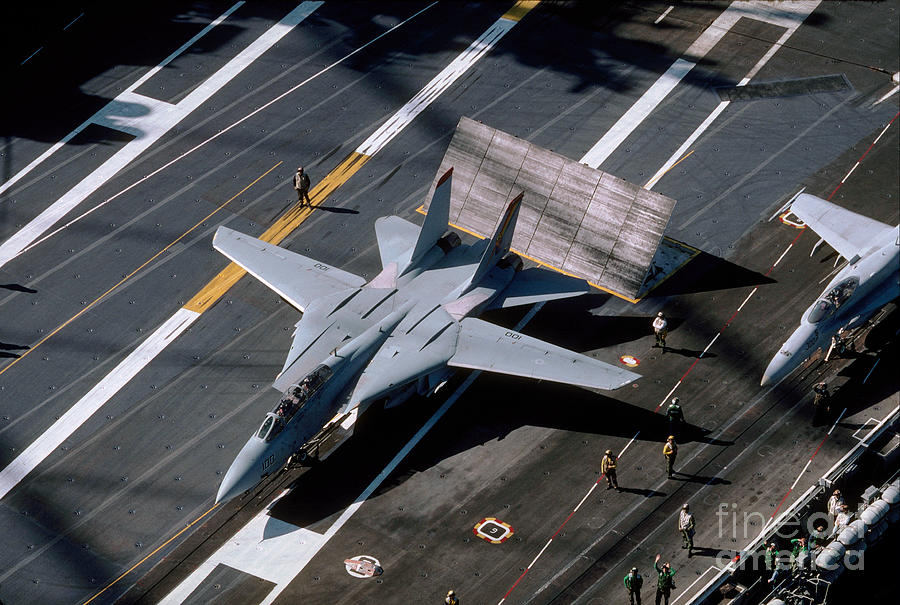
851	234
535	285
296	278
485	346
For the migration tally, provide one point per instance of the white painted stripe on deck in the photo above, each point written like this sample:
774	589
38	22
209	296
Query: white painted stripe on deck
19	175
791	19
31	55
749	296
800	476
147	128
441	82
226	129
783	254
663	16
78	414
686	590
301	554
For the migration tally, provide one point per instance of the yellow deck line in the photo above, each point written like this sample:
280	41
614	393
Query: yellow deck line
124	279
290	220
520	9
158	548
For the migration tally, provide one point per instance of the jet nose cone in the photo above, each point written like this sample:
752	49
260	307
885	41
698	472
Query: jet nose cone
243	474
778	368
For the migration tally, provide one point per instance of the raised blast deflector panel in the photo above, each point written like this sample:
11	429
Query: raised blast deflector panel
576	219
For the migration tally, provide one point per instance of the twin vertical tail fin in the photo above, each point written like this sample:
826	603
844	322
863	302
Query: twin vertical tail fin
401	243
436	219
500	242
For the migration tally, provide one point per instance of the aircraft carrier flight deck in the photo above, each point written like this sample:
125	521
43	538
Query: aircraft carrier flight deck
138	353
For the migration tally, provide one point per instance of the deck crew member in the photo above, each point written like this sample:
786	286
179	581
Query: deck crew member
666	581
799	553
675	415
301	185
660	329
670	451
451	599
686	527
608	468
633	583
822	400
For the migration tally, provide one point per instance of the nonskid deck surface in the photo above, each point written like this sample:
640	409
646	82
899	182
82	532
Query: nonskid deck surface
112	487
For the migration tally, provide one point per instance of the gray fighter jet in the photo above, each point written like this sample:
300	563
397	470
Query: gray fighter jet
870	280
399	335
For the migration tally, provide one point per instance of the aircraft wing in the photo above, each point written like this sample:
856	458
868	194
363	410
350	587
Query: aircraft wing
534	285
849	233
296	278
485	346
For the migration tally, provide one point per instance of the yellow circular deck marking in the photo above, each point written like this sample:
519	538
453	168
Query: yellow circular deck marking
796	224
493	530
630	360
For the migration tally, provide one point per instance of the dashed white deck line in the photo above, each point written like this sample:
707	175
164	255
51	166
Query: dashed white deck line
148	120
872	370
72	22
28	58
790	15
69	422
749	296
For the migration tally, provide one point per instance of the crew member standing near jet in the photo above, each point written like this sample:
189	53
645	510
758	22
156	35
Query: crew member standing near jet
608	468
670	451
675	415
822	400
666	581
660	329
301	185
633	582
686	527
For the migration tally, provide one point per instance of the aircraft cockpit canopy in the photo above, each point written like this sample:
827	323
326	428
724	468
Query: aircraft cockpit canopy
291	401
834	298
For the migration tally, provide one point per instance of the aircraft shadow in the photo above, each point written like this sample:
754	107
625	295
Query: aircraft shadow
594	331
18	288
705	551
493	408
705	273
6	347
647	493
337	210
688	352
705	480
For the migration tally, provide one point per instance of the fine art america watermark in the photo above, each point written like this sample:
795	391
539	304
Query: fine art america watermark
817	530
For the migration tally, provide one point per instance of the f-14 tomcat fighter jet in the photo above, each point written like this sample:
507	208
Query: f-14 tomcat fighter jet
870	280
398	335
